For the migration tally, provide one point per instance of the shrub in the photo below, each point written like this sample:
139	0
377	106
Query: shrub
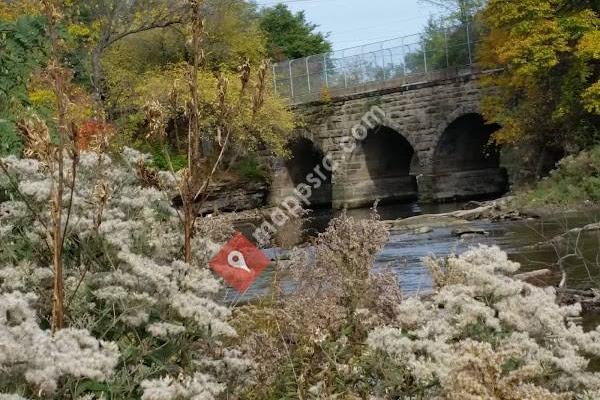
249	168
127	292
575	180
10	142
308	343
486	335
145	325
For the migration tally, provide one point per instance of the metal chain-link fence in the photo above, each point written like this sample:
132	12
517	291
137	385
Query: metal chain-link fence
310	78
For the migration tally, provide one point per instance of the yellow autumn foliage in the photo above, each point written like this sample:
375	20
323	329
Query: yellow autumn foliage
42	97
153	67
79	31
591	98
11	10
548	92
169	86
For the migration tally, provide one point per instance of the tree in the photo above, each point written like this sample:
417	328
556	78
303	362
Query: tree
152	66
290	35
140	58
114	20
222	109
235	33
547	94
461	11
145	57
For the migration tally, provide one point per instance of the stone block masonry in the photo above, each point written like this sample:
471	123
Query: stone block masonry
432	144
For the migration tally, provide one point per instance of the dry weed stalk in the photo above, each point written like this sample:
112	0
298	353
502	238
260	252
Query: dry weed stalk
194	181
39	145
36	136
315	334
60	78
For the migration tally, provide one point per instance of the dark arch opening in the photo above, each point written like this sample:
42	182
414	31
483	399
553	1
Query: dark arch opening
466	163
380	169
465	145
305	166
388	154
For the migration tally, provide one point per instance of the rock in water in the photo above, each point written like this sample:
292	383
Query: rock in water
460	232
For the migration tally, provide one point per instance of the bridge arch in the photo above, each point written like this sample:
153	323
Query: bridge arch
465	164
304	166
449	117
381	167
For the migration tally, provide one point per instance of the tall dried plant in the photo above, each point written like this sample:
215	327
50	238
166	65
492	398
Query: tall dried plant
190	177
38	144
195	180
60	157
60	78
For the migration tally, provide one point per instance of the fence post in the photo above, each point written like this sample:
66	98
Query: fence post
364	67
307	73
325	70
291	79
469	44
344	69
392	65
345	75
446	46
403	53
424	45
382	63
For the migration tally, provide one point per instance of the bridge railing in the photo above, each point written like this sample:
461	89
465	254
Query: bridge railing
310	78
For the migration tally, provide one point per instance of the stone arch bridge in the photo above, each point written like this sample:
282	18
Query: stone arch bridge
418	139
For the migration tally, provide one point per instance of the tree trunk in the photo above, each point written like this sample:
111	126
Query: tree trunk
98	78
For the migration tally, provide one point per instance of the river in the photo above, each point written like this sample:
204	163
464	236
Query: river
404	252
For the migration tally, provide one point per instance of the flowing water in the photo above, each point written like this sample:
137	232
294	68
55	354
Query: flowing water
404	252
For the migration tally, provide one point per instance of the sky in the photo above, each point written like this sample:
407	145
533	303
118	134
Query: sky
358	22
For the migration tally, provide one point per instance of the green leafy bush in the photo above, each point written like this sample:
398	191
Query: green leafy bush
23	48
140	322
576	180
249	168
10	142
176	160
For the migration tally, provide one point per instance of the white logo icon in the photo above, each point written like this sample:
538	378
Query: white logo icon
236	260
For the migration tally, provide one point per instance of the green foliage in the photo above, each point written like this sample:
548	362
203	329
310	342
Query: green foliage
24	91
164	162
146	58
23	50
133	62
235	33
153	67
548	91
575	181
291	35
10	142
24	46
127	55
458	11
445	46
250	169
